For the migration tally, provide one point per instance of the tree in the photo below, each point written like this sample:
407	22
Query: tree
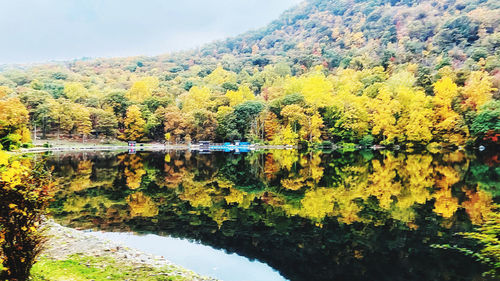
134	124
384	108
477	91
461	31
237	97
449	124
13	122
66	121
25	193
155	124
197	98
226	129
118	102
415	121
311	128
42	118
285	136
315	87
293	114
349	118
271	125
81	117
220	76
4	91
142	89
175	123
205	125
486	125
245	115
103	122
75	91
12	114
418	127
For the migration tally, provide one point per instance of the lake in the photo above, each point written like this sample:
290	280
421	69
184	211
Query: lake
283	214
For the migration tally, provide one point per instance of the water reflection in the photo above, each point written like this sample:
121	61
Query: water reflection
202	259
313	216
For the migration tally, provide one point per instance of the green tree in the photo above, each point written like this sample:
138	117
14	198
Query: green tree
118	102
103	122
487	122
245	117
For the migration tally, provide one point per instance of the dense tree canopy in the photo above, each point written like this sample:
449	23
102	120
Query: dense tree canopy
344	71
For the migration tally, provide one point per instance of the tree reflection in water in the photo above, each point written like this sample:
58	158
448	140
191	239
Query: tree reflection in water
313	216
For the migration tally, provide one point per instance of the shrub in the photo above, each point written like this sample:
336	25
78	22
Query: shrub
24	198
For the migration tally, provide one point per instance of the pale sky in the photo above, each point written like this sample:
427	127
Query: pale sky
45	30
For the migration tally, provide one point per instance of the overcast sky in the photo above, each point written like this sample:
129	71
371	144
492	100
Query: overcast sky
45	30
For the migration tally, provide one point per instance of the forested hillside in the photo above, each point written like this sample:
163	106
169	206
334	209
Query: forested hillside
357	71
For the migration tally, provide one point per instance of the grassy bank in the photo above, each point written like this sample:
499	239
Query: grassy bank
81	268
73	255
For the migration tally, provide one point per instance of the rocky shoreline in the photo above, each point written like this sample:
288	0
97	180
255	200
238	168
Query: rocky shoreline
63	243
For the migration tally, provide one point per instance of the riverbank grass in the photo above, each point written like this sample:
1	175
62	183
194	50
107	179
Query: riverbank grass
83	268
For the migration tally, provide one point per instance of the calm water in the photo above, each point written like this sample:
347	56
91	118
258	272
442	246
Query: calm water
204	260
285	215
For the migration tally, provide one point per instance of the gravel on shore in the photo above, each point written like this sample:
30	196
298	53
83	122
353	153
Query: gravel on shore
64	242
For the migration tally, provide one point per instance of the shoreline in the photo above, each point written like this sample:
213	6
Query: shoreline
145	147
66	244
68	146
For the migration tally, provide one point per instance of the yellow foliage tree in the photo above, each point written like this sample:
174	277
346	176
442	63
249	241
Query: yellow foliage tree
81	119
271	125
134	124
316	88
311	127
384	109
4	91
75	91
25	193
13	114
415	121
237	97
477	91
143	89
449	124
220	76
13	123
285	136
197	98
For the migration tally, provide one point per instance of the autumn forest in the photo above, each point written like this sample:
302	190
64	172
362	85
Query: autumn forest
409	72
375	125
